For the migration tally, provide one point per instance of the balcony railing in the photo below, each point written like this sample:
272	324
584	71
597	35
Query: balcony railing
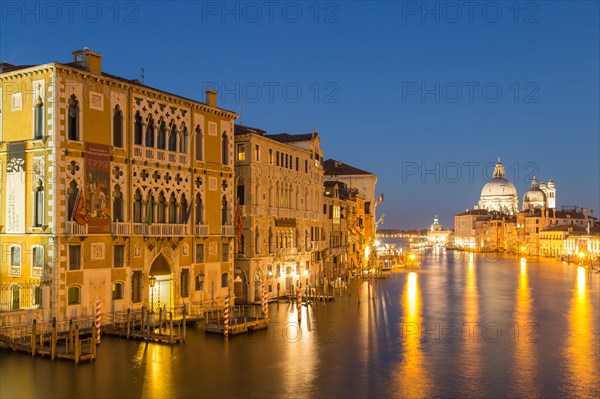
160	229
227	231
121	228
287	251
258	210
74	228
149	153
153	154
138	152
201	230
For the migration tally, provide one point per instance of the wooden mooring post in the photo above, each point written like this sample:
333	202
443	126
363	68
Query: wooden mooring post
170	328
128	322
160	320
94	343
33	337
184	322
143	319
148	326
53	339
77	347
71	334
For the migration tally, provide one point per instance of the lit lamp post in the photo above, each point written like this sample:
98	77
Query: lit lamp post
412	259
152	281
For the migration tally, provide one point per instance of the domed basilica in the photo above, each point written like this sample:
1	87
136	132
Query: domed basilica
500	195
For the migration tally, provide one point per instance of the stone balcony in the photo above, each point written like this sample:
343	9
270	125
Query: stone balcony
160	229
227	231
74	228
120	228
153	154
201	230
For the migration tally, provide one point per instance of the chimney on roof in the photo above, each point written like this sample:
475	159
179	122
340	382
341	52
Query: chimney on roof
88	59
585	213
337	164
211	97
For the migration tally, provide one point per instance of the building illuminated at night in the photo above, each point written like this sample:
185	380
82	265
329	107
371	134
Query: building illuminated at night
107	182
279	185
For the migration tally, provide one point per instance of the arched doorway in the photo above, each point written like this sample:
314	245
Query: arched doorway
161	281
239	287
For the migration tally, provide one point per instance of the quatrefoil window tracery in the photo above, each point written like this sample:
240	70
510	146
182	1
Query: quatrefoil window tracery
73	167
117	172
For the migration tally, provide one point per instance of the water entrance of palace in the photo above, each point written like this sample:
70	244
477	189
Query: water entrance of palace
453	327
161	294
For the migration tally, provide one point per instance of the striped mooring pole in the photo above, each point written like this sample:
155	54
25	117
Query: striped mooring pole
226	316
265	303
299	304
98	321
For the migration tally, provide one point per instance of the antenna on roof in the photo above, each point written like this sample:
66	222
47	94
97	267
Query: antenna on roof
142	75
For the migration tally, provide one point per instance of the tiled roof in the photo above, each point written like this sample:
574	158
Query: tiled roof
475	212
332	167
241	129
563	227
291	138
9	68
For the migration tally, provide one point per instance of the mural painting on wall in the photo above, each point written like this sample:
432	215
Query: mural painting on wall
97	187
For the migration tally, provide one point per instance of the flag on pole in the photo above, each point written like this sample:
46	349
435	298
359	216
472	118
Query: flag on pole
237	222
379	199
187	214
79	212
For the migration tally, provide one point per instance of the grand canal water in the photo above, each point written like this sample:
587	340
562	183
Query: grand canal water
453	327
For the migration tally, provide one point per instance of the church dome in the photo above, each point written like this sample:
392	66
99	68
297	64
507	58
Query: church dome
534	197
499	194
499	185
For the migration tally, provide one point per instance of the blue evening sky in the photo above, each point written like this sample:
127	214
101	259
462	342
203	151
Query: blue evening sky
423	94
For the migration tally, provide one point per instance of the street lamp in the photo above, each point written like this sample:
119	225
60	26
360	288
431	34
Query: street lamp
152	281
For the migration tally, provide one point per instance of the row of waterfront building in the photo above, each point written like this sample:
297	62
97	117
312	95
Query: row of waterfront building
115	191
538	228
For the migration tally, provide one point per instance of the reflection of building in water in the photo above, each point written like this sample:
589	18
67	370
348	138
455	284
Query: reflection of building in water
437	235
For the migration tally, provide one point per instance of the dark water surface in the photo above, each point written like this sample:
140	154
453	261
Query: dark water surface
451	328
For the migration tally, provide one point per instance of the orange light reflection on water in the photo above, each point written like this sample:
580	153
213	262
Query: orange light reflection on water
471	363
158	377
410	378
581	340
524	336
